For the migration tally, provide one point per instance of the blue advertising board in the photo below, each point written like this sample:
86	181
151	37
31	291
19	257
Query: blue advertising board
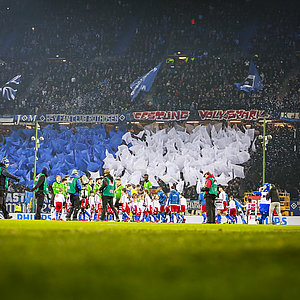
295	208
13	199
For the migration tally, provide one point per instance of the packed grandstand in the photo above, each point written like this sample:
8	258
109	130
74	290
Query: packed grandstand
80	59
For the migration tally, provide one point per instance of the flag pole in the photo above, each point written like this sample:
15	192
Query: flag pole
264	152
35	159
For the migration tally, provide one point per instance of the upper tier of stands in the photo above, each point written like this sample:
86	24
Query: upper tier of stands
81	56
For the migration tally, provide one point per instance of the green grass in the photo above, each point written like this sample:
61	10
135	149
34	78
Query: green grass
76	260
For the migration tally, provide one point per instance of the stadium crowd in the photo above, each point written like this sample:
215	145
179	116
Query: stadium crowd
281	169
81	58
70	66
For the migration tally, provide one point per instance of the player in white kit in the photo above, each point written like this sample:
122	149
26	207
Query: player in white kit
59	201
183	206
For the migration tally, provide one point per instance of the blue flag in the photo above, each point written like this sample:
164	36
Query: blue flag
253	82
7	91
144	83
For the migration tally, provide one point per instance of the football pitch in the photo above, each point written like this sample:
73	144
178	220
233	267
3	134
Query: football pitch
81	260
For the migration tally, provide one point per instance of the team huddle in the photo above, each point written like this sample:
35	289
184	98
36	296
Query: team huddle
140	203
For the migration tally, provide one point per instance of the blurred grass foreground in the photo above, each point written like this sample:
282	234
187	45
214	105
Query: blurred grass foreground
81	260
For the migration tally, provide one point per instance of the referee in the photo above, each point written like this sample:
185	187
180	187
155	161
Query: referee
108	191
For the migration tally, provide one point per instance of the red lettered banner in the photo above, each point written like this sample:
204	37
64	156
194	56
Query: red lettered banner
231	114
179	115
